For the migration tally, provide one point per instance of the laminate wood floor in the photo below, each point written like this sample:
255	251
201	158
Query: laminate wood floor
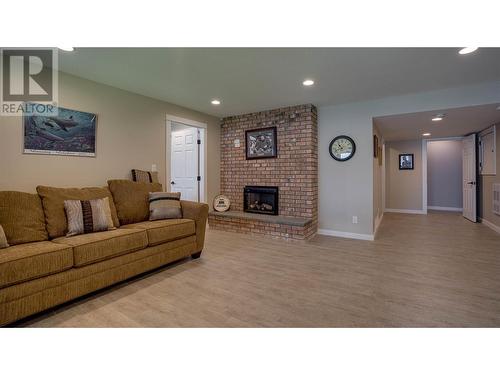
437	270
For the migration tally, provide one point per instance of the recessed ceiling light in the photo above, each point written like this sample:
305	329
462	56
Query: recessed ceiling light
215	102
67	49
426	134
467	50
308	82
438	117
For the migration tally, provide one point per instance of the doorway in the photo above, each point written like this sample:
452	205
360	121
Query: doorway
186	158
444	174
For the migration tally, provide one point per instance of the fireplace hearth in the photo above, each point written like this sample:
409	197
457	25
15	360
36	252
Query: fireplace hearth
261	199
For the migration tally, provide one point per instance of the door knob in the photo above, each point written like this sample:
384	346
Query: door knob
172	183
471	183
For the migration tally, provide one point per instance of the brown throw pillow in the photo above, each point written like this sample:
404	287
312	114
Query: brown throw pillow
88	216
3	239
164	206
144	176
132	199
22	218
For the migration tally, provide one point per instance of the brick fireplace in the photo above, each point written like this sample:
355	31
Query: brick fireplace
294	172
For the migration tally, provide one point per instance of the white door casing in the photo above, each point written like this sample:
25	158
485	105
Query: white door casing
469	178
185	163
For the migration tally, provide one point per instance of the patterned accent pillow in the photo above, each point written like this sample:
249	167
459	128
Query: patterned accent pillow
3	239
164	206
88	216
144	176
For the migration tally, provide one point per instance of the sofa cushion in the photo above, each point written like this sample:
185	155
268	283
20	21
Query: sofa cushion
95	247
22	218
53	205
161	231
32	260
88	216
132	199
144	176
164	206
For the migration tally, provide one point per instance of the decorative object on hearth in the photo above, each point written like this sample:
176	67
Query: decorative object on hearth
71	133
405	162
261	143
144	176
221	203
375	146
342	148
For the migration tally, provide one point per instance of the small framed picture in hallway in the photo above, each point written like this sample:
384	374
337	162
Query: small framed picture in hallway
405	162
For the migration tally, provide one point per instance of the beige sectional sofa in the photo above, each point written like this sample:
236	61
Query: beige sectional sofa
42	268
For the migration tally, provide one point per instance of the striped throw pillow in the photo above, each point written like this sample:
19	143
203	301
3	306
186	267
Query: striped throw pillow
144	176
164	206
88	216
3	239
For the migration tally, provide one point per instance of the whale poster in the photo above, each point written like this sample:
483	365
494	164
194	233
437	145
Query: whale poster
70	133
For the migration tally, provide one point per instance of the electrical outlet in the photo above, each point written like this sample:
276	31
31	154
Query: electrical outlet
354	219
153	168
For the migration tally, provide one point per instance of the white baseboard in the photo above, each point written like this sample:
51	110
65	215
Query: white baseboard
440	208
490	225
355	236
398	211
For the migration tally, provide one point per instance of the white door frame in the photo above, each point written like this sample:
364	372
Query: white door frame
424	166
203	155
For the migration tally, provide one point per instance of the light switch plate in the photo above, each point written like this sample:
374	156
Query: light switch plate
153	168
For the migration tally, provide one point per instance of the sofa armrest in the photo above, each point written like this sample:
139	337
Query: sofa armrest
199	213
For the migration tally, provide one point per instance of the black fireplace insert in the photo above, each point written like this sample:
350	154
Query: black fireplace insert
261	199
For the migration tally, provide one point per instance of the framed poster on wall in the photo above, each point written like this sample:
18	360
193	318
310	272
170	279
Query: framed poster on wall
70	133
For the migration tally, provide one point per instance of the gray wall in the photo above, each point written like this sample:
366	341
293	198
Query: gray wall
346	189
444	173
403	188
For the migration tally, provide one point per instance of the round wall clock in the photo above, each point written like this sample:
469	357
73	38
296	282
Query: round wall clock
221	203
342	148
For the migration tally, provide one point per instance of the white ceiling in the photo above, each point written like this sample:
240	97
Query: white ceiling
253	79
457	122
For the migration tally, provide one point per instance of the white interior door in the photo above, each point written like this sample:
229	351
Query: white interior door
469	178
184	163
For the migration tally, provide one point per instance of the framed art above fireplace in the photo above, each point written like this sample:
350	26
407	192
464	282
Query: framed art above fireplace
261	143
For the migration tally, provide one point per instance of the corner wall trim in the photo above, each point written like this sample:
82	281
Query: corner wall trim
413	212
354	236
440	208
378	221
490	225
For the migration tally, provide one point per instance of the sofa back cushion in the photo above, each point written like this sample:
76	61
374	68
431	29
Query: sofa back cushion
132	199
53	205
22	218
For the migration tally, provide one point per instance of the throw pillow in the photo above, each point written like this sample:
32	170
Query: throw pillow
164	206
144	176
3	239
88	216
